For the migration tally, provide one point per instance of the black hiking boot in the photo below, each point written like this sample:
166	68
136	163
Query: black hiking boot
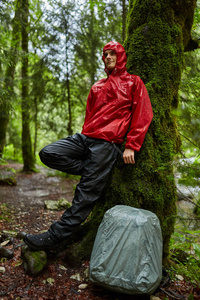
41	241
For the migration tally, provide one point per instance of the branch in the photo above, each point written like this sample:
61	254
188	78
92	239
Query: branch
187	199
189	141
187	219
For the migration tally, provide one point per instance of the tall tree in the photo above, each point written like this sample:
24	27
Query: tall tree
60	20
189	114
89	40
124	12
157	35
27	152
9	76
99	22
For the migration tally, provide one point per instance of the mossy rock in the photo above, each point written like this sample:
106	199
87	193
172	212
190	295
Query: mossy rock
6	253
7	176
34	261
57	205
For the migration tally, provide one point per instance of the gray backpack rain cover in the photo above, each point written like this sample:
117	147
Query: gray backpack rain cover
127	252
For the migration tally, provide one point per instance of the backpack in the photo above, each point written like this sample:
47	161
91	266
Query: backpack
127	252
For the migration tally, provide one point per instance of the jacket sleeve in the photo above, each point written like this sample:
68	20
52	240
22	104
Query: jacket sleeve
88	105
142	115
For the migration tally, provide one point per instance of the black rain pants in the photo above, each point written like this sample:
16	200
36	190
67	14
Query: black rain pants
91	158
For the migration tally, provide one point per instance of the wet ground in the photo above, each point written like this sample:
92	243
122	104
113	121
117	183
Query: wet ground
31	191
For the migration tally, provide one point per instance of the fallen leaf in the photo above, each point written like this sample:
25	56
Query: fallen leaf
82	286
179	277
62	267
17	263
50	281
86	272
5	243
2	270
76	276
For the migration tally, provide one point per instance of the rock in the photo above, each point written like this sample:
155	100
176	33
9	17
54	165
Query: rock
6	253
51	205
57	205
7	176
63	204
34	261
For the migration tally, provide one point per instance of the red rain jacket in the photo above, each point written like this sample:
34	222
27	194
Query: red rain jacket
118	103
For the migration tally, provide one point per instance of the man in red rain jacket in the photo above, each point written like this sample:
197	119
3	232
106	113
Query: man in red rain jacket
116	105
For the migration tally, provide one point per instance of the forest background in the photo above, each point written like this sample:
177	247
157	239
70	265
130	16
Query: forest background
51	55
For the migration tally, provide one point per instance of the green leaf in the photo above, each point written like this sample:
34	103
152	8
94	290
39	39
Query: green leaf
196	248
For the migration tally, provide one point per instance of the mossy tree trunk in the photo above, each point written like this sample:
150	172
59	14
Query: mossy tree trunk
27	152
157	34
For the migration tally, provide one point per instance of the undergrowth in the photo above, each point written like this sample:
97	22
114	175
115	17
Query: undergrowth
185	252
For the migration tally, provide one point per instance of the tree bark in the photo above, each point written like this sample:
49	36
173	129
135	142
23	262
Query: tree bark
156	38
123	19
92	45
9	77
69	127
27	153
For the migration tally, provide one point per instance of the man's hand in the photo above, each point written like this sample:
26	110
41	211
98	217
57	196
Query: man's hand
128	156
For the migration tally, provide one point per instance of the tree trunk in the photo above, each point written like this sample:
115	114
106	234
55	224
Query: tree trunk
157	34
69	127
123	19
27	153
92	45
9	77
4	118
36	127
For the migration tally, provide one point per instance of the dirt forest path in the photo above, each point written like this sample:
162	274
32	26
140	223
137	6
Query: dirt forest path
22	209
26	199
32	189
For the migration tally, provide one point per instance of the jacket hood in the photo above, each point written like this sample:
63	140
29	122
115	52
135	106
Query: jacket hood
121	57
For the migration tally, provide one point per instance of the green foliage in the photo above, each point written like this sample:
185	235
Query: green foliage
189	170
197	208
189	115
63	41
5	212
188	242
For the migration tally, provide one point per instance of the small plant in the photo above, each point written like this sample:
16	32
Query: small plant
5	212
185	252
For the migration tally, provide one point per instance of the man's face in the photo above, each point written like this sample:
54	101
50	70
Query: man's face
110	59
